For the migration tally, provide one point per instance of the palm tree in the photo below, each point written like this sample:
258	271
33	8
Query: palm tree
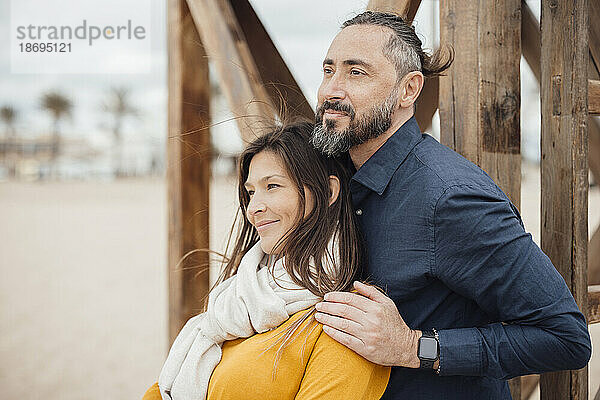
58	106
8	116
118	105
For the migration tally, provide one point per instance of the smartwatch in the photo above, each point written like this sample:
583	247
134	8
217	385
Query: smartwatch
429	350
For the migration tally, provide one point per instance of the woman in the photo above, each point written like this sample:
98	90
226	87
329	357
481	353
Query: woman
297	241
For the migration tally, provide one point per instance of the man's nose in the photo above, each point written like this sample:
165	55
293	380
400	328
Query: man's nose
333	89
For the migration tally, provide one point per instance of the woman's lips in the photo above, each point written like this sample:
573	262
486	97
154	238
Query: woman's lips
264	225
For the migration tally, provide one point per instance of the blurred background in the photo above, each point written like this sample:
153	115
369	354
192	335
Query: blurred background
83	255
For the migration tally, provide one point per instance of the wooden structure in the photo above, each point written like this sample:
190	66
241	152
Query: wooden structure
479	103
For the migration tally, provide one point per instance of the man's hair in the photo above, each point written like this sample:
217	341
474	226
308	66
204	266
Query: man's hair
404	47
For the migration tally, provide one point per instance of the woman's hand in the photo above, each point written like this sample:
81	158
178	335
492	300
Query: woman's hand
369	323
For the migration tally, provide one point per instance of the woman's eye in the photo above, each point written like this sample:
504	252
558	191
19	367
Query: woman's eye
250	192
272	186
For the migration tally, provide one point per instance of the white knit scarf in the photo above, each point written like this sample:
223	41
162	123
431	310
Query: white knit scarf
252	301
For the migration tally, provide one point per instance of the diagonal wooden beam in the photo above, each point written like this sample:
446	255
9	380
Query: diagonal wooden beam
279	82
228	50
531	40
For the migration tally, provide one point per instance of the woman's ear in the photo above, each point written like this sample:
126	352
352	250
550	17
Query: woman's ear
334	188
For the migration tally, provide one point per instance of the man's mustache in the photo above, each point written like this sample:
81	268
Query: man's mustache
334	106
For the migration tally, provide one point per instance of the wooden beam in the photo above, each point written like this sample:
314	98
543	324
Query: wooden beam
593	314
480	97
594	97
594	140
594	257
405	8
564	169
531	39
531	43
279	82
594	34
239	78
188	166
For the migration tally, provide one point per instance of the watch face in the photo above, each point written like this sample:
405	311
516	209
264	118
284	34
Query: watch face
428	348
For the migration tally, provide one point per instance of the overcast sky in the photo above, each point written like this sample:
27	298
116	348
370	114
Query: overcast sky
301	29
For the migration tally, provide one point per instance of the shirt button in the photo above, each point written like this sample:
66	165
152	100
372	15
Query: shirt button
359	212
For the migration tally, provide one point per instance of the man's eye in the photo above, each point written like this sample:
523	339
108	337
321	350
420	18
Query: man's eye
356	72
327	71
250	192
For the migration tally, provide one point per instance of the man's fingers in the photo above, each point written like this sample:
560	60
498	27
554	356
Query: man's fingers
353	299
341	310
347	340
370	291
340	324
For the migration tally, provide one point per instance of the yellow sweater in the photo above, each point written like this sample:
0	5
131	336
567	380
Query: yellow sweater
312	366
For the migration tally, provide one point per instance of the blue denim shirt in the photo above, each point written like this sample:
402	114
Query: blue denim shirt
449	248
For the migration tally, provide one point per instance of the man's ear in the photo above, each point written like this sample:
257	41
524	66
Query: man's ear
410	88
334	188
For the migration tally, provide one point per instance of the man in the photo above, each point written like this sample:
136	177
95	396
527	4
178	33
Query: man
472	300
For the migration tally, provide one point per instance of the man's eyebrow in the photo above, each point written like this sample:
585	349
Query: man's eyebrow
352	61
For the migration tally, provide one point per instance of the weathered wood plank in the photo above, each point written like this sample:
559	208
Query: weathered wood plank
593	313
594	97
564	169
275	75
239	78
531	44
483	124
188	166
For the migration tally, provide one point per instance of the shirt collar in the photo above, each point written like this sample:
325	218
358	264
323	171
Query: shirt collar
378	170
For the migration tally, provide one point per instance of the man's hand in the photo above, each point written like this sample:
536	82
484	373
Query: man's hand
369	324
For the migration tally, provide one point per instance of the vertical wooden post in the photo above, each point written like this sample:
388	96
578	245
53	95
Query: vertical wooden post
480	97
564	170
188	166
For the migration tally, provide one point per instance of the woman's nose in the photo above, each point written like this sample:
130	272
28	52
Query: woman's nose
256	205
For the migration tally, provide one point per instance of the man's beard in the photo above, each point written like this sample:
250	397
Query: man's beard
332	142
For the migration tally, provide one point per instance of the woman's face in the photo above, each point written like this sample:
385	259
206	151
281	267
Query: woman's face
274	201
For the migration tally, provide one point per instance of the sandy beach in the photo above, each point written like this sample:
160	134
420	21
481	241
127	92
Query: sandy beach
83	290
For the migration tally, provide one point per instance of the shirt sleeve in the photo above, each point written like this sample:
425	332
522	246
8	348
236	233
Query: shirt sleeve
153	393
335	372
482	252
